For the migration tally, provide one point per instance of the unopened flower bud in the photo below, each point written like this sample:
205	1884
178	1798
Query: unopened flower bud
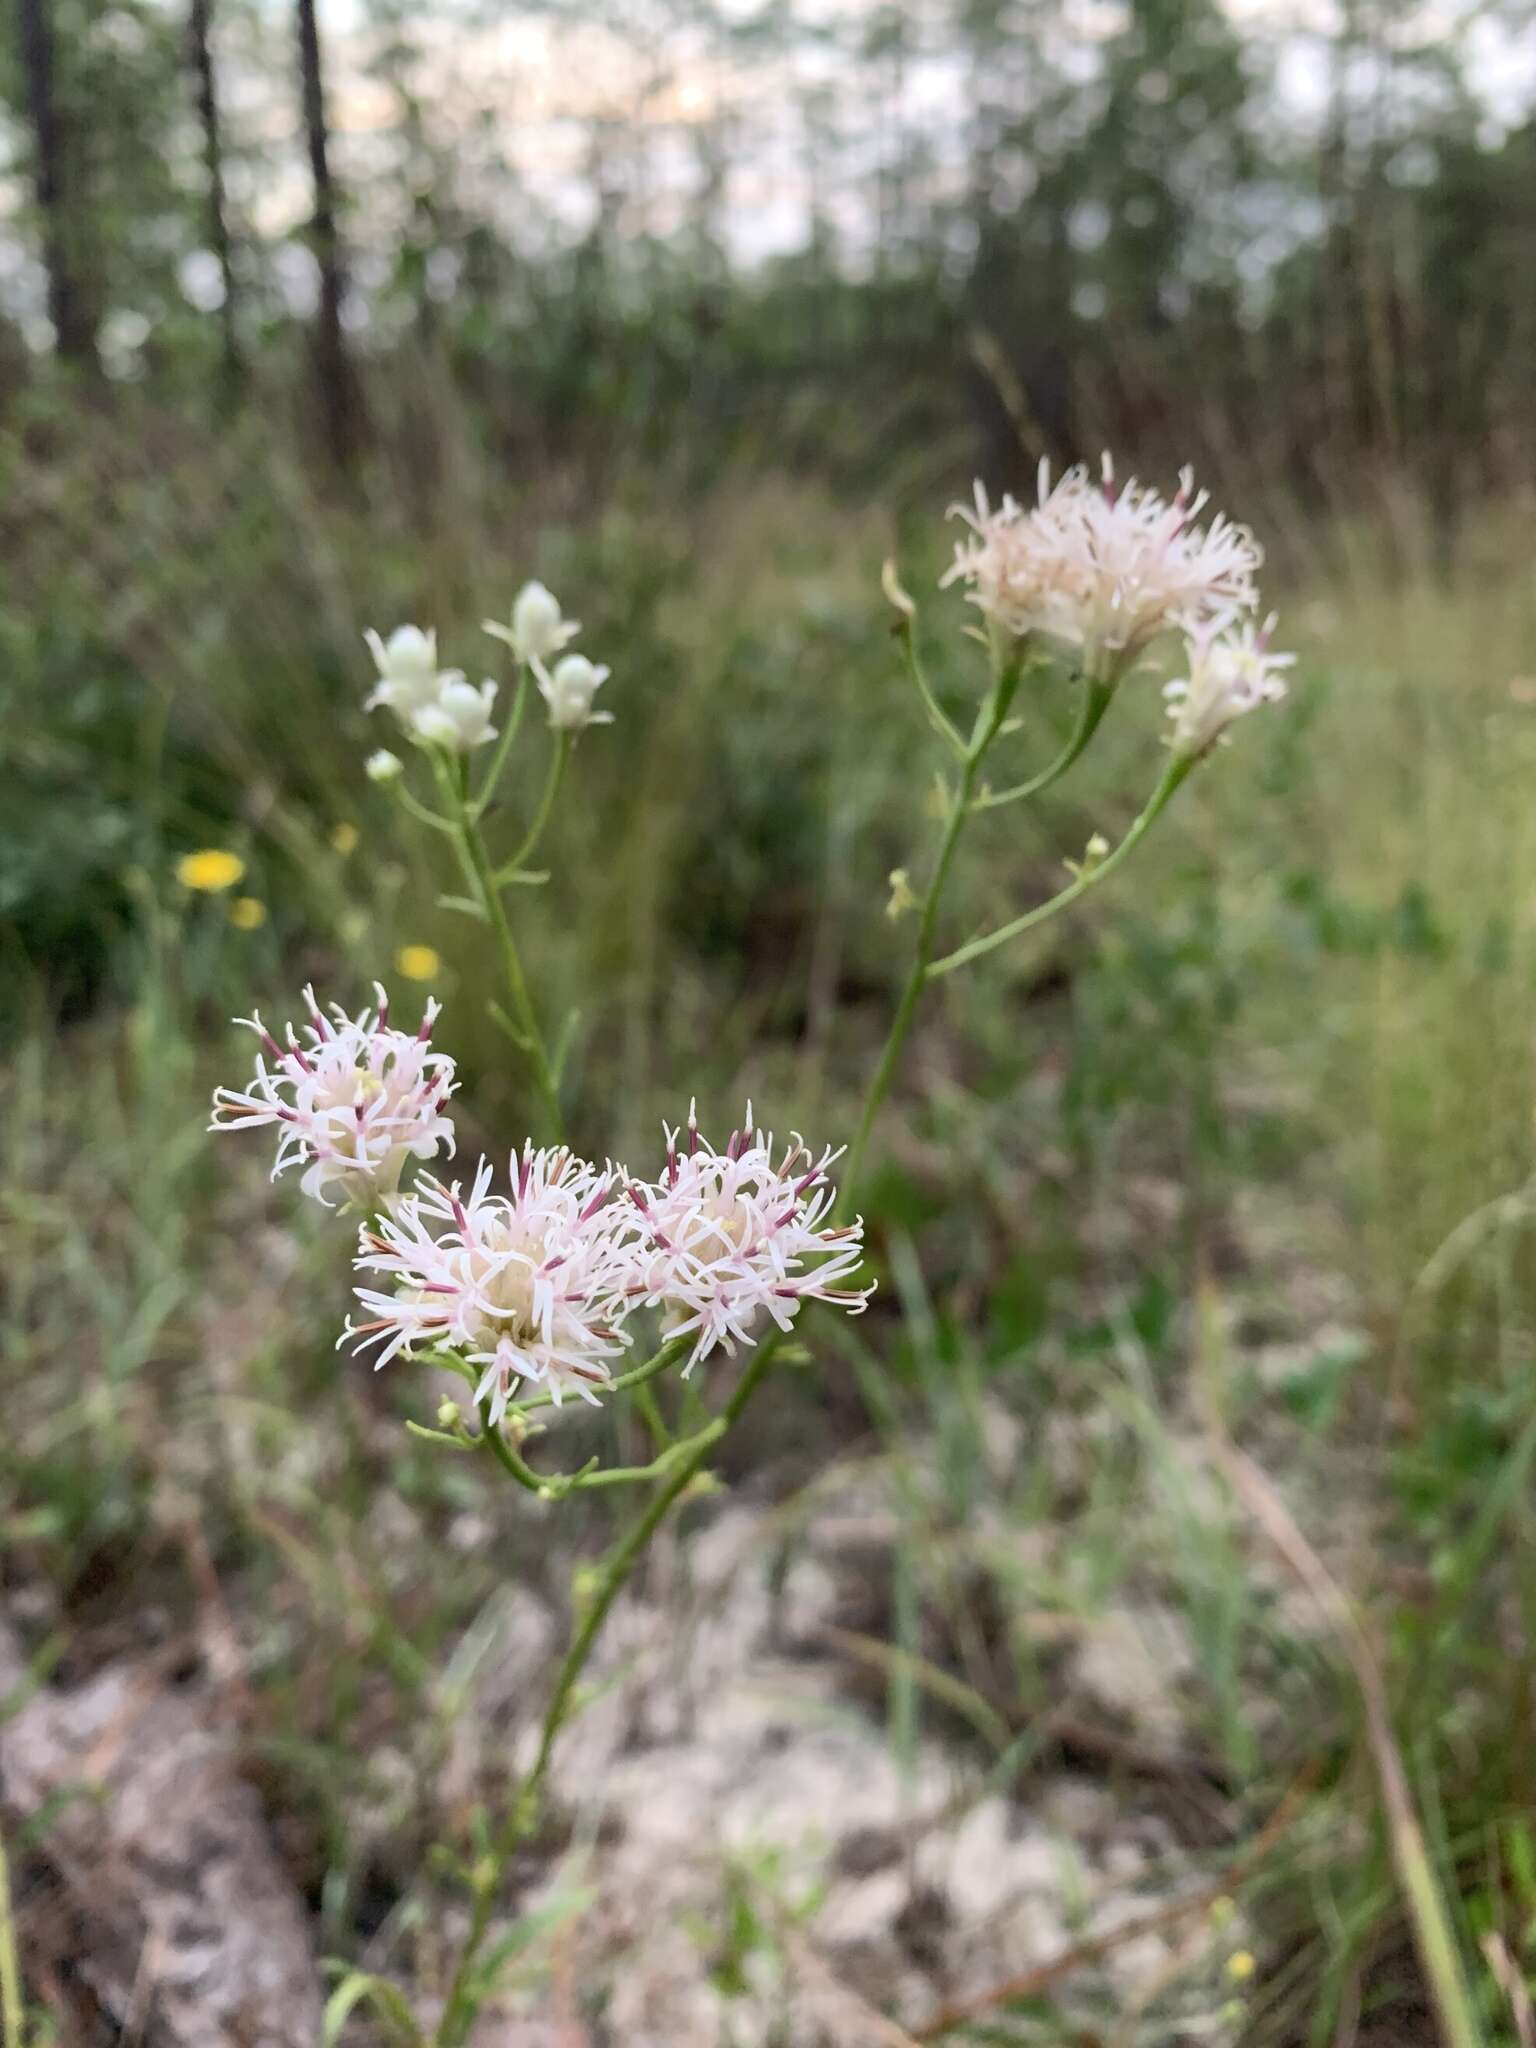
1229	671
569	692
460	719
449	1415
407	666
1094	852
383	766
903	899
539	629
890	583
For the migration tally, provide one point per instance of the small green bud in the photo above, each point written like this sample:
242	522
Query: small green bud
903	896
585	1581
449	1415
890	583
1094	854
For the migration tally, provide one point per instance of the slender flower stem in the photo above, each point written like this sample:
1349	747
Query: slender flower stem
631	1548
477	870
682	1469
495	1441
906	1008
938	717
1097	697
988	723
1089	878
560	753
424	815
658	1362
659	1467
504	745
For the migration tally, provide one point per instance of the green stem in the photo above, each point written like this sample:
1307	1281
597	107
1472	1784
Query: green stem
630	1550
659	1467
495	1441
559	755
459	2006
658	1362
1090	877
938	717
555	1485
1097	697
652	1417
499	758
477	870
423	814
906	1008
988	722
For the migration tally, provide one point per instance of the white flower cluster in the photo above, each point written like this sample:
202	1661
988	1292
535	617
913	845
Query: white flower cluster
354	1098
1104	569
530	1286
438	706
1101	567
536	635
536	1286
729	1237
442	708
1230	671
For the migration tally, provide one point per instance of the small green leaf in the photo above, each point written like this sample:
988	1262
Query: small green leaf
359	1988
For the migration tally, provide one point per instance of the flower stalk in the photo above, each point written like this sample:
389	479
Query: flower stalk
521	1023
528	1294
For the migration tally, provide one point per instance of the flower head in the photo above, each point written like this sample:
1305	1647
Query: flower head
729	1237
569	692
1230	671
210	870
247	913
353	1098
419	963
528	1285
408	673
1104	568
459	717
538	629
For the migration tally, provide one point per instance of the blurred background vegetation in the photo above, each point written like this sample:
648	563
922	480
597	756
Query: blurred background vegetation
359	313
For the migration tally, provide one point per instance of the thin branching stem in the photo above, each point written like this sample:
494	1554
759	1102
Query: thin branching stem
681	1471
560	753
475	861
504	745
938	717
1088	878
1097	697
989	721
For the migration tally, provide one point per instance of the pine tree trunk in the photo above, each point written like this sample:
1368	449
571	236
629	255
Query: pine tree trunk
69	309
200	26
338	394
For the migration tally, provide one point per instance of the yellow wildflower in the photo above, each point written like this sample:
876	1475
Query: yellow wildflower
419	963
211	869
247	913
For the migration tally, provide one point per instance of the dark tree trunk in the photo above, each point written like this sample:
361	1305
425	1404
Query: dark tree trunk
200	26
69	307
338	392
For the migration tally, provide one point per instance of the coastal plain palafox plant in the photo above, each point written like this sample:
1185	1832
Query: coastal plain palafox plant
535	1283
